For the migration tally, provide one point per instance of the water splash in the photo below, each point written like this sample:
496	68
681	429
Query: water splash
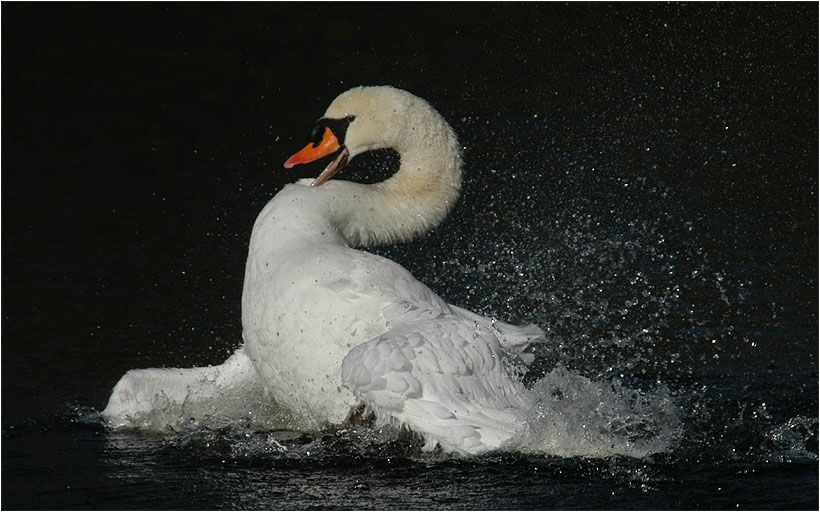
576	416
796	439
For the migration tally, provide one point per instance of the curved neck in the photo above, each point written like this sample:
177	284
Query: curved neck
412	201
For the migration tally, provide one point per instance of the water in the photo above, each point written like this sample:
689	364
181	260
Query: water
640	181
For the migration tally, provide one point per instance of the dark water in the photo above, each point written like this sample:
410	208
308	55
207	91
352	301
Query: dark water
641	181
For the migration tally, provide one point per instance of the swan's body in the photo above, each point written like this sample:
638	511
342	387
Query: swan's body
326	326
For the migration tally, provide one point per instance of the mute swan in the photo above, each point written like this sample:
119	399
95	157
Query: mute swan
328	329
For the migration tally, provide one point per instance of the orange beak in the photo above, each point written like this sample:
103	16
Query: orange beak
311	152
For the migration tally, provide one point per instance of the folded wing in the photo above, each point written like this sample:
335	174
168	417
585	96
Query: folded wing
445	376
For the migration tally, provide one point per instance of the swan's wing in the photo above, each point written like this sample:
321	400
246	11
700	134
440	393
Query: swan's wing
161	397
444	377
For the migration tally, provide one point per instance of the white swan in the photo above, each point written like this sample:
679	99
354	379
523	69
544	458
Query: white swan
327	326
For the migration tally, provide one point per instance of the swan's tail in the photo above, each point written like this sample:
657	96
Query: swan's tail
514	337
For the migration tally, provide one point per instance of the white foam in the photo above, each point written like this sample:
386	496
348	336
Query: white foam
574	416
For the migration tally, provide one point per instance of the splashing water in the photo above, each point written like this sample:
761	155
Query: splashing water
576	416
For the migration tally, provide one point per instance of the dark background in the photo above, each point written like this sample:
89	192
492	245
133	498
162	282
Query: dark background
141	140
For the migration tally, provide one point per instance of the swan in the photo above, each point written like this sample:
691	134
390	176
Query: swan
332	332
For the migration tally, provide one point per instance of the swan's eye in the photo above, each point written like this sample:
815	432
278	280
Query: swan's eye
350	118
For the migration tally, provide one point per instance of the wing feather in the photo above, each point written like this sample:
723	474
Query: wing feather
444	376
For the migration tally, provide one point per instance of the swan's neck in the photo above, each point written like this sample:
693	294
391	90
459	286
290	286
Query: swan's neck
412	201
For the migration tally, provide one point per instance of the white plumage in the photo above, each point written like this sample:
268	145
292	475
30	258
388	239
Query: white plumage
326	325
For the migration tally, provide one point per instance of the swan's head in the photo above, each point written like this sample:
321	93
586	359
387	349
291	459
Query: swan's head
423	189
363	119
